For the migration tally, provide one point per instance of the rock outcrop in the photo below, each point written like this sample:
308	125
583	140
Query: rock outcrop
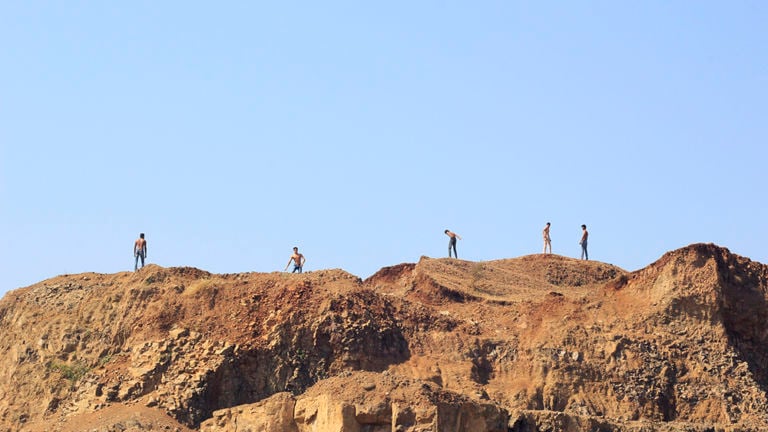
535	343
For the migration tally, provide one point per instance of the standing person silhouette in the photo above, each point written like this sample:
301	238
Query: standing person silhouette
298	261
139	251
452	242
583	243
547	240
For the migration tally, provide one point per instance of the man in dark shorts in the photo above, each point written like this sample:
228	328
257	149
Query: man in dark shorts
452	242
298	261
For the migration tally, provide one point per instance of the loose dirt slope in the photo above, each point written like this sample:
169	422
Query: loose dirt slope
540	342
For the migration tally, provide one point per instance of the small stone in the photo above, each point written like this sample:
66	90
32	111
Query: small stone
178	333
227	350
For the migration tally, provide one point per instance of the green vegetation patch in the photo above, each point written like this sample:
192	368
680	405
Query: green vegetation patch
72	372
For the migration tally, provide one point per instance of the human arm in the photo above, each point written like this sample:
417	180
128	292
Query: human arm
452	234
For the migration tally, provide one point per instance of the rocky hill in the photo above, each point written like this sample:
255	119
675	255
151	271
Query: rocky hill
536	343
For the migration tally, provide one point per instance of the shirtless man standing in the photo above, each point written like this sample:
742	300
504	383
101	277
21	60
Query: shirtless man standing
139	251
452	242
583	243
298	260
547	240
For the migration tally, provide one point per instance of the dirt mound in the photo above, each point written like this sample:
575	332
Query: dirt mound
540	342
512	280
124	418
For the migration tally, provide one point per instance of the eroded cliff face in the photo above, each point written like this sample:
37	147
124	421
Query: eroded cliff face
541	342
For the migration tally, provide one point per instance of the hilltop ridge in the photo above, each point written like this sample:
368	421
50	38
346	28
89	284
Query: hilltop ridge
539	342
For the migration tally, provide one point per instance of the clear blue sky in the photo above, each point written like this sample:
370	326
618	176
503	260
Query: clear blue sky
230	132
